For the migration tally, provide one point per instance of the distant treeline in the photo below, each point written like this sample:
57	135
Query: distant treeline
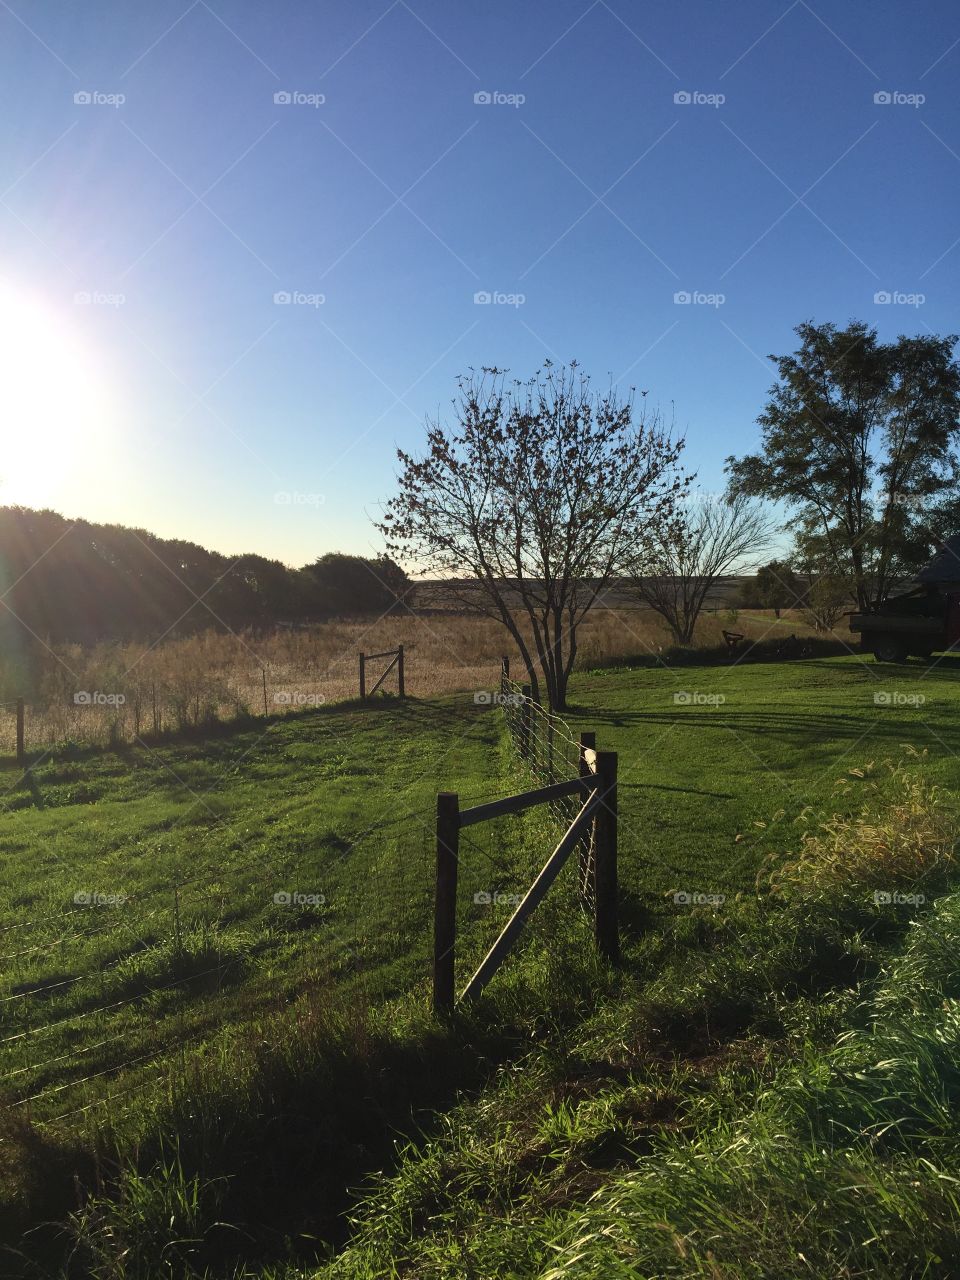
70	580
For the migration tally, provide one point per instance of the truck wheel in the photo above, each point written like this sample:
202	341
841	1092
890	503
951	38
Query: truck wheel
890	650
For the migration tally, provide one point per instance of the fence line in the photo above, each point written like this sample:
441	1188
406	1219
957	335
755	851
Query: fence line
68	953
580	786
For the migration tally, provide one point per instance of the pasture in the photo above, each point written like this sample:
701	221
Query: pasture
167	907
711	788
138	885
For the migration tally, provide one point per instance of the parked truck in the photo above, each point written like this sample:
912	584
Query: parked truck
920	622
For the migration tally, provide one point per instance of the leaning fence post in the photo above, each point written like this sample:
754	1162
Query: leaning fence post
363	680
605	858
445	902
524	743
588	742
400	669
20	751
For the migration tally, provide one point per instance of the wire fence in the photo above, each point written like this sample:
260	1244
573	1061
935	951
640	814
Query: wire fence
552	752
116	983
113	968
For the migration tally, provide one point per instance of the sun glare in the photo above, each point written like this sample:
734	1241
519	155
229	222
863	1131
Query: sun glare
53	405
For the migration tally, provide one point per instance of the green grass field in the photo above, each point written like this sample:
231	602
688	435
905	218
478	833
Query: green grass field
188	957
183	848
695	777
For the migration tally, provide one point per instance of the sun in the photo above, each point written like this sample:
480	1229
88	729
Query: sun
54	406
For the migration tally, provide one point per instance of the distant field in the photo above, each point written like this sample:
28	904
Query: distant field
183	682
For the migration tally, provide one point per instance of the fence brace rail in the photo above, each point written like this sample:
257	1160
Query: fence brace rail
593	831
397	656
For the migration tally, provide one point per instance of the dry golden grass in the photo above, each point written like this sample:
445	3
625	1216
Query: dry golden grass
187	681
913	839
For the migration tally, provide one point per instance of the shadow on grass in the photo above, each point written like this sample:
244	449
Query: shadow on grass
814	728
410	710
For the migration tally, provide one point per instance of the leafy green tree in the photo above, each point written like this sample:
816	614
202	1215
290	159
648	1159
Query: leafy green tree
345	584
778	587
858	440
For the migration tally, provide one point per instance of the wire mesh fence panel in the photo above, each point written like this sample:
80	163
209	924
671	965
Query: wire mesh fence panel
121	981
550	751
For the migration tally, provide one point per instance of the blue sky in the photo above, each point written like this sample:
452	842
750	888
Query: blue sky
151	234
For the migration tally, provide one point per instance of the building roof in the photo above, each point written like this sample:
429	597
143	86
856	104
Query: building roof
945	565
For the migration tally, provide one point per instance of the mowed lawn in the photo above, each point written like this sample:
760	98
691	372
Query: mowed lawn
183	848
181	851
709	789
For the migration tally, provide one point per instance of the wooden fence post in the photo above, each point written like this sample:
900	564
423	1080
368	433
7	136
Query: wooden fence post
445	903
400	670
363	680
524	743
263	672
605	858
588	742
21	755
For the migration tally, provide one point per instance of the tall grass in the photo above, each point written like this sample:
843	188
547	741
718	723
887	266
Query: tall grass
903	838
190	682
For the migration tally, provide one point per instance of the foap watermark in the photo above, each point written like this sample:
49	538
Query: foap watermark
694	98
706	497
96	98
294	498
694	298
294	898
495	98
296	698
297	298
94	898
96	698
95	298
683	698
489	698
690	898
486	298
894	698
894	98
892	898
298	98
915	501
484	898
896	298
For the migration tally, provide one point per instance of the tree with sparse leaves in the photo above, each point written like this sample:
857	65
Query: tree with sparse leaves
531	504
826	601
682	562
